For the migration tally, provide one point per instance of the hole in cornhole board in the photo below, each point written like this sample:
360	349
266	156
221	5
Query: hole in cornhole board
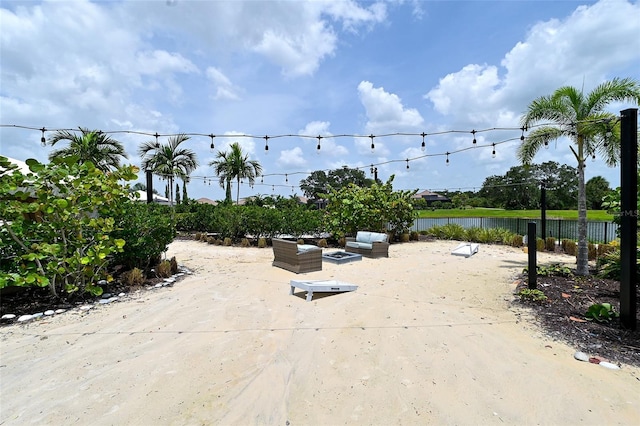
466	249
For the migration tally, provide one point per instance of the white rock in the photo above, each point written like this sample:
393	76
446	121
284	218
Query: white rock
113	299
24	318
106	295
104	301
102	282
49	312
609	365
581	356
37	315
158	285
121	295
170	280
60	311
8	316
86	307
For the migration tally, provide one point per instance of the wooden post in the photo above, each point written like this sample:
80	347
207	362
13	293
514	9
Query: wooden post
531	249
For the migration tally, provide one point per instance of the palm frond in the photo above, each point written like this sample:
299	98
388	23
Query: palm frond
535	140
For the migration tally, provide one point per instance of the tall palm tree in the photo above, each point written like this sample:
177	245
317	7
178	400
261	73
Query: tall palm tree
583	119
169	160
103	151
235	164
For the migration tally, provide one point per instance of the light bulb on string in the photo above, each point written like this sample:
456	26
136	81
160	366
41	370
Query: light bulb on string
261	179
212	146
447	159
424	146
407	164
273	188
318	147
292	189
493	153
157	143
522	135
546	144
286	178
593	157
473	132
373	146
43	141
266	145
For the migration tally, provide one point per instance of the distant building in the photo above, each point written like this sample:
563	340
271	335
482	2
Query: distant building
431	197
205	200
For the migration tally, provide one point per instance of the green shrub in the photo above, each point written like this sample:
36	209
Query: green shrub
540	244
322	243
532	295
147	230
601	312
227	241
163	269
244	243
262	242
211	240
570	247
134	277
550	244
553	269
414	236
516	241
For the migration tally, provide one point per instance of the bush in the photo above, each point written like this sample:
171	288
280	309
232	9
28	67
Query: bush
174	265
147	231
227	241
570	247
516	241
244	243
164	269
550	244
262	242
540	244
322	243
593	253
133	277
414	236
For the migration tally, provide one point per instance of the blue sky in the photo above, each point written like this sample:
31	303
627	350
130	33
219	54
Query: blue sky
309	68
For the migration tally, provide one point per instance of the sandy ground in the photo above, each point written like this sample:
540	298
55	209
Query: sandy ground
427	338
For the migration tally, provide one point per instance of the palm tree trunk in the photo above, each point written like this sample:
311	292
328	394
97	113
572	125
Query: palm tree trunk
238	191
583	249
171	191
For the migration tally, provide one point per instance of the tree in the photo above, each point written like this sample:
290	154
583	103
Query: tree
56	224
169	160
103	151
235	164
596	188
319	182
177	193
583	119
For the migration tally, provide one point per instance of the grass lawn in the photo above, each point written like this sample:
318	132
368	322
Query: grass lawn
524	214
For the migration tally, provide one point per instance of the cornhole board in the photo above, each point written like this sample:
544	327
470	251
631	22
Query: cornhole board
466	249
326	286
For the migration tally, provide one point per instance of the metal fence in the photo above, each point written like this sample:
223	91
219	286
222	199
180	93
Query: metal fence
597	232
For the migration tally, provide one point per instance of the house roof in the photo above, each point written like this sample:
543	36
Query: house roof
205	200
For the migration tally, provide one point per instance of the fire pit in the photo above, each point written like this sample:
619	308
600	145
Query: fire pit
340	257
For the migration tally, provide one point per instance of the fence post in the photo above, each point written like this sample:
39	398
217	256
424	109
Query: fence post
531	249
628	216
606	240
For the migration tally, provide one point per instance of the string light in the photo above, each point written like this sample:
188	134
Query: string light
373	147
447	158
43	141
546	144
286	178
212	146
424	146
522	136
473	132
266	144
318	147
493	153
157	143
407	164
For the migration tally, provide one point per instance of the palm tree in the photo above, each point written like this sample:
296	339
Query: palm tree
169	160
569	113
104	152
235	164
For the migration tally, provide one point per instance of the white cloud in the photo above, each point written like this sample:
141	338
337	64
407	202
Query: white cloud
581	48
292	158
225	90
385	110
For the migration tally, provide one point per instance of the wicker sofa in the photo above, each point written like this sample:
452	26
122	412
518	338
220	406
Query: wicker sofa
296	258
368	244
